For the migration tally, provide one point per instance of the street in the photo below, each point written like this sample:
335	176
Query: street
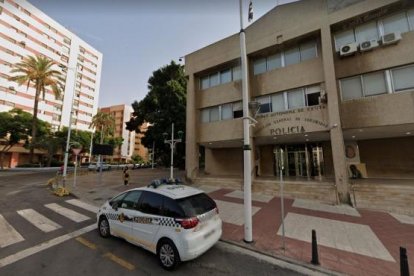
47	235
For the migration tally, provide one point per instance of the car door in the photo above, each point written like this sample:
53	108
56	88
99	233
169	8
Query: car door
125	212
147	222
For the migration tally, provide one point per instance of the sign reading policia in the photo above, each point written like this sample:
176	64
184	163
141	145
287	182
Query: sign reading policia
296	121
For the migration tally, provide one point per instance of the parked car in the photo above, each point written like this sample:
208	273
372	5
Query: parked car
174	221
96	166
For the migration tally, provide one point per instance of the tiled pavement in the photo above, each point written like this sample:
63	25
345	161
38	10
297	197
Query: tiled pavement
354	242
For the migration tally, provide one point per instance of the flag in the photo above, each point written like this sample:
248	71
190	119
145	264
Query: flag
250	16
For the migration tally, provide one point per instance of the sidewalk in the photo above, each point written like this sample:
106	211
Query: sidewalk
351	241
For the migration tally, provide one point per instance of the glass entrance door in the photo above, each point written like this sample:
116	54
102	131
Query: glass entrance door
303	160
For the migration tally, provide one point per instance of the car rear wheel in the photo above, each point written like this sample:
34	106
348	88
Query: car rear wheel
104	230
168	255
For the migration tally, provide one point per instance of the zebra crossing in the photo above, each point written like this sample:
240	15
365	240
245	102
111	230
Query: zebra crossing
9	235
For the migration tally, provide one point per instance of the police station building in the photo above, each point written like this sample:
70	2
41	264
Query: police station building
335	84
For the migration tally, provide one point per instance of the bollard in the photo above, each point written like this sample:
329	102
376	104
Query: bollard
404	269
315	257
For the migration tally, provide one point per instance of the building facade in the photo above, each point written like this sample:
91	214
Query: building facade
27	31
335	85
122	114
140	149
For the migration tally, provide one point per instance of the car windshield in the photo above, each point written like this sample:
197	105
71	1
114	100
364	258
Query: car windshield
196	204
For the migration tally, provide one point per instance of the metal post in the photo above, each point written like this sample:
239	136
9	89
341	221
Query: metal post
90	148
282	203
153	154
65	163
247	173
172	151
76	165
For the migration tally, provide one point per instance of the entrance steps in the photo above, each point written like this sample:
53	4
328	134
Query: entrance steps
320	191
396	198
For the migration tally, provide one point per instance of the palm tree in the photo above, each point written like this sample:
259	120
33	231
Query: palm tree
104	123
38	72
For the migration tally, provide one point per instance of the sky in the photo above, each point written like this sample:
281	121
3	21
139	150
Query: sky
137	37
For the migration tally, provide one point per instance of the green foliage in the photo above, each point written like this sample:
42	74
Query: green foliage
137	159
104	123
164	104
39	72
14	126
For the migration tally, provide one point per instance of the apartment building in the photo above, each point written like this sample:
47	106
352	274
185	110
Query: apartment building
334	81
24	31
122	114
139	148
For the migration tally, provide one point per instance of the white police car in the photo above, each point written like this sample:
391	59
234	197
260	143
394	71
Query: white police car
176	222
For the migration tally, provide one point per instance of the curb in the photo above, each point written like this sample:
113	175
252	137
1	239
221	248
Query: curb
282	261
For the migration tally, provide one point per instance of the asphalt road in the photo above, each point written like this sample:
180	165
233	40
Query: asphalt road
75	247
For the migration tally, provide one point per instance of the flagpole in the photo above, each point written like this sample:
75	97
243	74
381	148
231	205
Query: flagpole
248	235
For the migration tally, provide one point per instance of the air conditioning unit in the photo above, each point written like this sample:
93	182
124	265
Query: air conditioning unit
348	50
390	38
368	45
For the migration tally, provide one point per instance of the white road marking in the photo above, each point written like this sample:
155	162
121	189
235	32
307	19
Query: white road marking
346	236
255	196
45	245
83	205
8	235
70	214
38	220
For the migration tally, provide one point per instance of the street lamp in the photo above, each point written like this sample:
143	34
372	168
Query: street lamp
65	164
172	143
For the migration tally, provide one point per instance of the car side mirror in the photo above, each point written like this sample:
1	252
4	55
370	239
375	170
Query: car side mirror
115	206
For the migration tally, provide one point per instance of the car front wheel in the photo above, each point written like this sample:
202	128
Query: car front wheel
168	255
104	228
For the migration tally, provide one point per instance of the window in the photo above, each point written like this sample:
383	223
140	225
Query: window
278	102
236	73
117	199
237	110
64	58
410	14
265	105
374	84
274	62
170	208
225	76
403	78
130	201
351	88
312	95
295	98
344	38
366	32
150	203
308	51
196	205
214	114
259	66
226	112
292	56
214	79
205	116
395	23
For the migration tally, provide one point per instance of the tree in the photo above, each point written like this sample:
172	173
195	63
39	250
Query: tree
37	71
104	123
164	104
15	127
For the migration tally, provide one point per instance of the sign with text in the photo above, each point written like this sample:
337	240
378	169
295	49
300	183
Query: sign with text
296	121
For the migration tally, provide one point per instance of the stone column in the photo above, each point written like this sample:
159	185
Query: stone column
337	140
191	133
